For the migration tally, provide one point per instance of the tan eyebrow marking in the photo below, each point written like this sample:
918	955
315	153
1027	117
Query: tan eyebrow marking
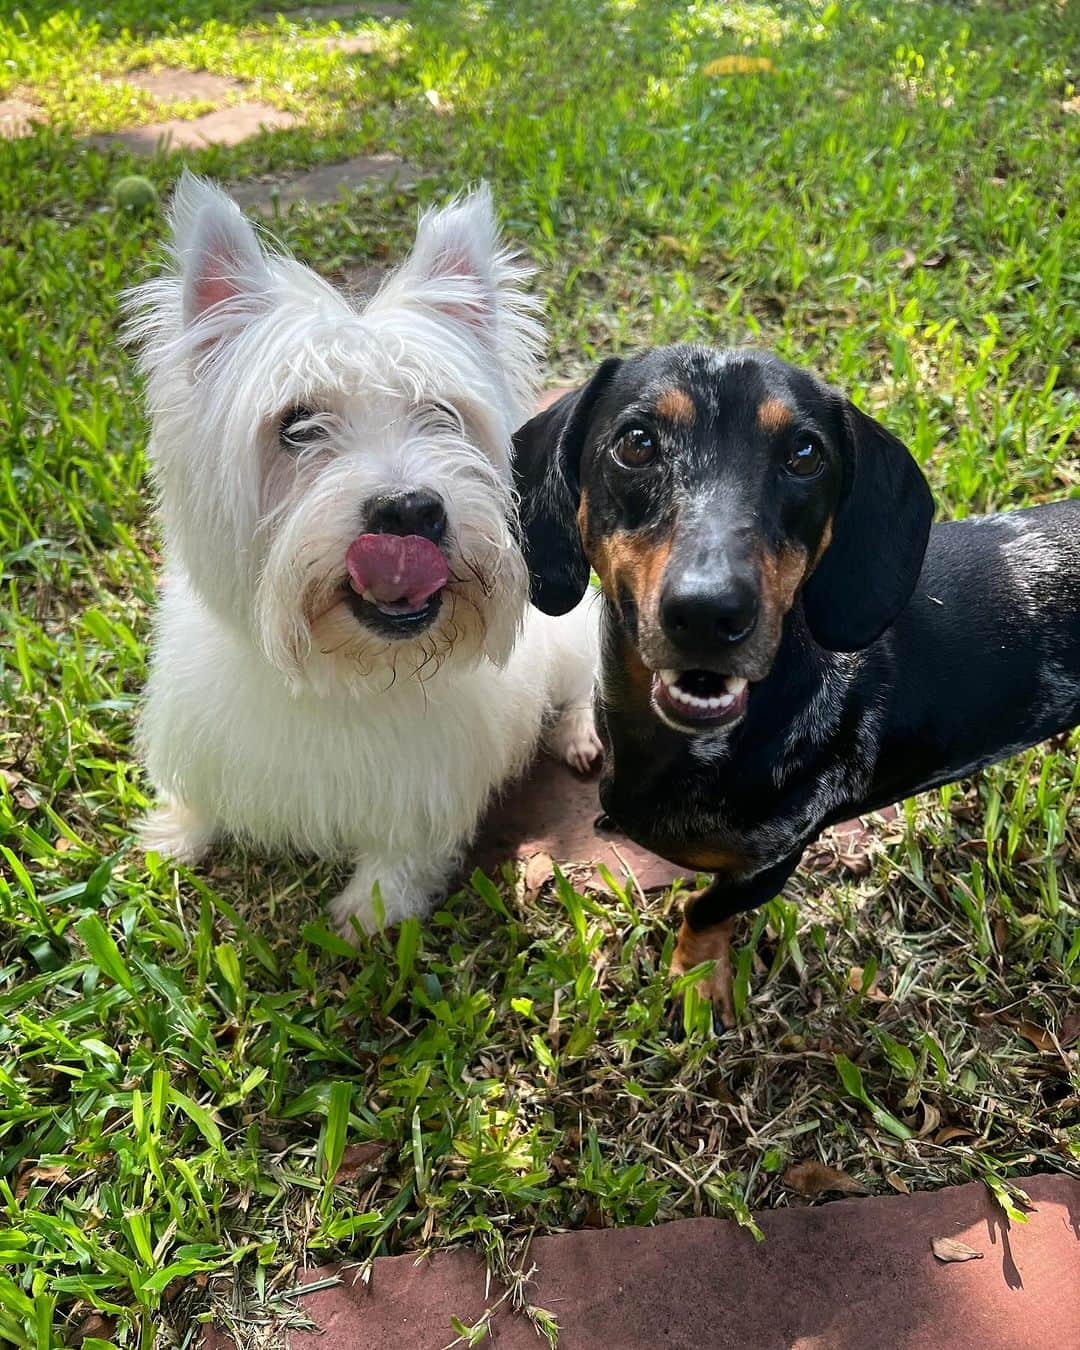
677	406
773	415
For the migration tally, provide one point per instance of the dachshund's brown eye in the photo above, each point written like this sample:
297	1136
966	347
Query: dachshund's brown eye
634	447
806	459
300	427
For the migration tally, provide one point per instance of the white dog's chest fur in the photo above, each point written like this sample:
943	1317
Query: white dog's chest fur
346	772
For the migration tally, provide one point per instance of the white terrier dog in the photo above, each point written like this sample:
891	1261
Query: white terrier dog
344	661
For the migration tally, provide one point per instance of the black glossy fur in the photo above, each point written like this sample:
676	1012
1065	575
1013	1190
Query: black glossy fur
902	657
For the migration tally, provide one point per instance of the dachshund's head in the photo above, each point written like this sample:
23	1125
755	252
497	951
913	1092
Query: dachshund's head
712	491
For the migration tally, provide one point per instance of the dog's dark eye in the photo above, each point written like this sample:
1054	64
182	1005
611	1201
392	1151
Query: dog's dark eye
634	447
805	459
300	428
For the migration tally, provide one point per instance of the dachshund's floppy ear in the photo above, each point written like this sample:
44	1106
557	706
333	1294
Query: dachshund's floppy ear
879	535
547	462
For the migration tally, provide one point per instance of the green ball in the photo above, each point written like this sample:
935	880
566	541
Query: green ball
135	193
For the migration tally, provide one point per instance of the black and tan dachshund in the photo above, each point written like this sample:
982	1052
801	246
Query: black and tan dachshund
786	640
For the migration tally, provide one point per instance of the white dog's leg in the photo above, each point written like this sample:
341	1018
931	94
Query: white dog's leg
408	886
176	831
573	654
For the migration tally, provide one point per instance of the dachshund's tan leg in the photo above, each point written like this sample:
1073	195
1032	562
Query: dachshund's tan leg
708	944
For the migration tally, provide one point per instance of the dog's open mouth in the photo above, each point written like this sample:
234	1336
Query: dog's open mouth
699	700
396	582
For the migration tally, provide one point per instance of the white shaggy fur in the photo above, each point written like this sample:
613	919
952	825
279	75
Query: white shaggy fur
273	713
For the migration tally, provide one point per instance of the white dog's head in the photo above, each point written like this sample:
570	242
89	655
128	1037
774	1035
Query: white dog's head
334	479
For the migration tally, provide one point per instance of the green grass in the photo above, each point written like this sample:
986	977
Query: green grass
186	1058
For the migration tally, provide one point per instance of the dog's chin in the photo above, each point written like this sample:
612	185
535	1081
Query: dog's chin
356	644
396	623
699	702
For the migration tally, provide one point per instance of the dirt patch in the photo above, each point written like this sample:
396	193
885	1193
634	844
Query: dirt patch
173	85
326	183
18	119
227	126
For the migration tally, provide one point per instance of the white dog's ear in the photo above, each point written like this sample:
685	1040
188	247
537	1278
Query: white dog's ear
455	264
223	268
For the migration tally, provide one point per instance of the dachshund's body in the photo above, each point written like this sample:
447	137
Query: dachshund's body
785	649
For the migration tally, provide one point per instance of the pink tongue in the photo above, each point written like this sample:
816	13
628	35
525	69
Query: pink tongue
395	569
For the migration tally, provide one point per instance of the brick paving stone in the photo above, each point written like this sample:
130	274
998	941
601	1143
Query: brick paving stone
849	1275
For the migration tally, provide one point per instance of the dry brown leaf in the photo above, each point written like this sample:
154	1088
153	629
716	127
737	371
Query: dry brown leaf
814	1178
96	1326
359	1158
953	1132
1039	1037
539	870
738	65
1070	1029
931	1120
1001	935
898	1183
873	994
858	864
951	1249
27	1175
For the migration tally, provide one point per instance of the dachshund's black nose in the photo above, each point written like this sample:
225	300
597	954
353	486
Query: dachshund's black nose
696	613
421	513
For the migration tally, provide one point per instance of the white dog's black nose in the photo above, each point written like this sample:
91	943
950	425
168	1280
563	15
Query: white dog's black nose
421	513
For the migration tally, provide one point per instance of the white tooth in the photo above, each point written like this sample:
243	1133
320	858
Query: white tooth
670	676
735	685
725	700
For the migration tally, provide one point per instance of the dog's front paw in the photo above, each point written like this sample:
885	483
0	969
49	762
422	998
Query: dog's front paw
349	910
404	890
711	944
573	739
175	831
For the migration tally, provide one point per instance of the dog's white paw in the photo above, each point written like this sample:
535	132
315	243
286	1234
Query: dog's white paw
175	831
573	739
402	892
348	907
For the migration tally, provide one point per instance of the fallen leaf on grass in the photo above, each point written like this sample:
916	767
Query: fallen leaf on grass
1038	1036
855	984
950	1249
738	65
1001	935
1070	1029
27	1175
814	1178
931	1120
897	1182
359	1158
953	1132
539	870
